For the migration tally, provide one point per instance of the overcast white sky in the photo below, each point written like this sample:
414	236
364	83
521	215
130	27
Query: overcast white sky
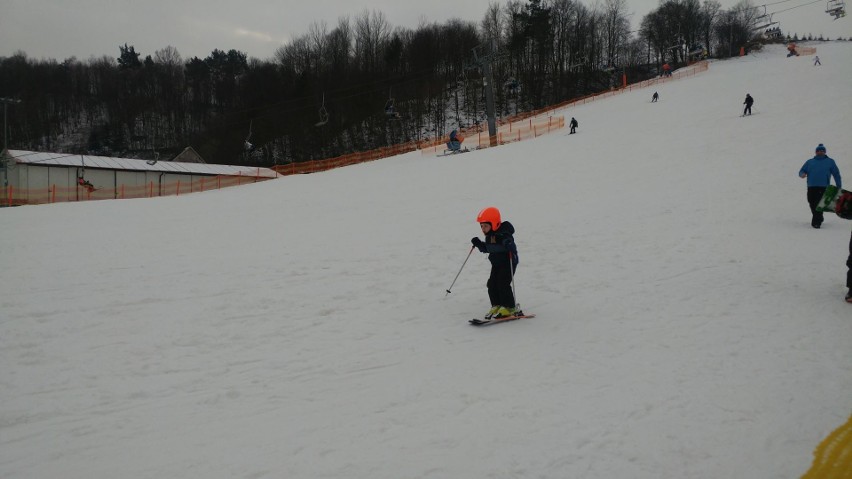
83	28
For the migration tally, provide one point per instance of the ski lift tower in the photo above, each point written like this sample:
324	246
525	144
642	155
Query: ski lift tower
484	61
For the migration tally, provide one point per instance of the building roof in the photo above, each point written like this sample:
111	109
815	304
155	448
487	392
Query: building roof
111	163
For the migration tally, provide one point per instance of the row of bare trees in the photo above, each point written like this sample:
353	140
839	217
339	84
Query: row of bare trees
234	109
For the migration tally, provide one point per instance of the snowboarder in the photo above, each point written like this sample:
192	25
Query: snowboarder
655	97
816	61
503	254
819	170
455	141
573	125
748	102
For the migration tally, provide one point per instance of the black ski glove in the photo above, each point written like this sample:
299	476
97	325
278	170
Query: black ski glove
475	241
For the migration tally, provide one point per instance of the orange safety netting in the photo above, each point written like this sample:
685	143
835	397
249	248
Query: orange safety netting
57	194
315	166
508	132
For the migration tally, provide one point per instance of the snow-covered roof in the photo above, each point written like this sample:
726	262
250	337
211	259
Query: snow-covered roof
107	162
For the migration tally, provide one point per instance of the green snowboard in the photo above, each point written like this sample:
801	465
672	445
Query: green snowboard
829	198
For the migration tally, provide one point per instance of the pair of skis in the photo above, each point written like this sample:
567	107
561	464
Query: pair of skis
487	322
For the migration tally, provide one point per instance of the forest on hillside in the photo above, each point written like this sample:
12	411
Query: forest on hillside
238	110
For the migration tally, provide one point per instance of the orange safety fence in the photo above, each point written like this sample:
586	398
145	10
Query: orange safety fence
804	51
13	196
507	133
315	166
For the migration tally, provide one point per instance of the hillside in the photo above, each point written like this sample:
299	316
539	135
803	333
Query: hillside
690	322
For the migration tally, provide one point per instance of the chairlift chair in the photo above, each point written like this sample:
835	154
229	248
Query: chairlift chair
323	113
246	145
390	112
581	62
774	32
836	8
762	21
82	182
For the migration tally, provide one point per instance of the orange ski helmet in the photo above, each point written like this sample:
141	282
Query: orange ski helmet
489	215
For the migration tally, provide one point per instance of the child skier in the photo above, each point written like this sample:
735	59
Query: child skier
503	254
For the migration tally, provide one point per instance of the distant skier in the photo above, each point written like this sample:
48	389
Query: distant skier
503	254
819	170
816	61
748	102
655	97
573	125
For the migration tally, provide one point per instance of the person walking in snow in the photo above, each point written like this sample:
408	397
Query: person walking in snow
503	253
816	61
655	97
573	125
818	171
748	102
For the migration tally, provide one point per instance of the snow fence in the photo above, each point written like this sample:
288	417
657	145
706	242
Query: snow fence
56	194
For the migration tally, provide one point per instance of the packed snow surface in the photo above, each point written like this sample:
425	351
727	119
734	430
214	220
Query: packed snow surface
690	322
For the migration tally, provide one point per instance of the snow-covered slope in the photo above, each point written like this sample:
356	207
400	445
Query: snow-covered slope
690	324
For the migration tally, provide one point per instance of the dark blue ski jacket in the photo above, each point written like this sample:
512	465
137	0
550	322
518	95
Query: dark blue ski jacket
820	169
498	244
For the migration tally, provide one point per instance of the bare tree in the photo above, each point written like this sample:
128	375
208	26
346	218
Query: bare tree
616	30
371	33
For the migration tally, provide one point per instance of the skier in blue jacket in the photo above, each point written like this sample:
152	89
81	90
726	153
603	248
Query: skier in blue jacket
819	170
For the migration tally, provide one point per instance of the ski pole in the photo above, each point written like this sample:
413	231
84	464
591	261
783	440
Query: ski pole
512	271
460	270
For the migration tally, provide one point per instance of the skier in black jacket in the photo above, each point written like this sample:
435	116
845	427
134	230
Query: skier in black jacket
503	254
748	102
